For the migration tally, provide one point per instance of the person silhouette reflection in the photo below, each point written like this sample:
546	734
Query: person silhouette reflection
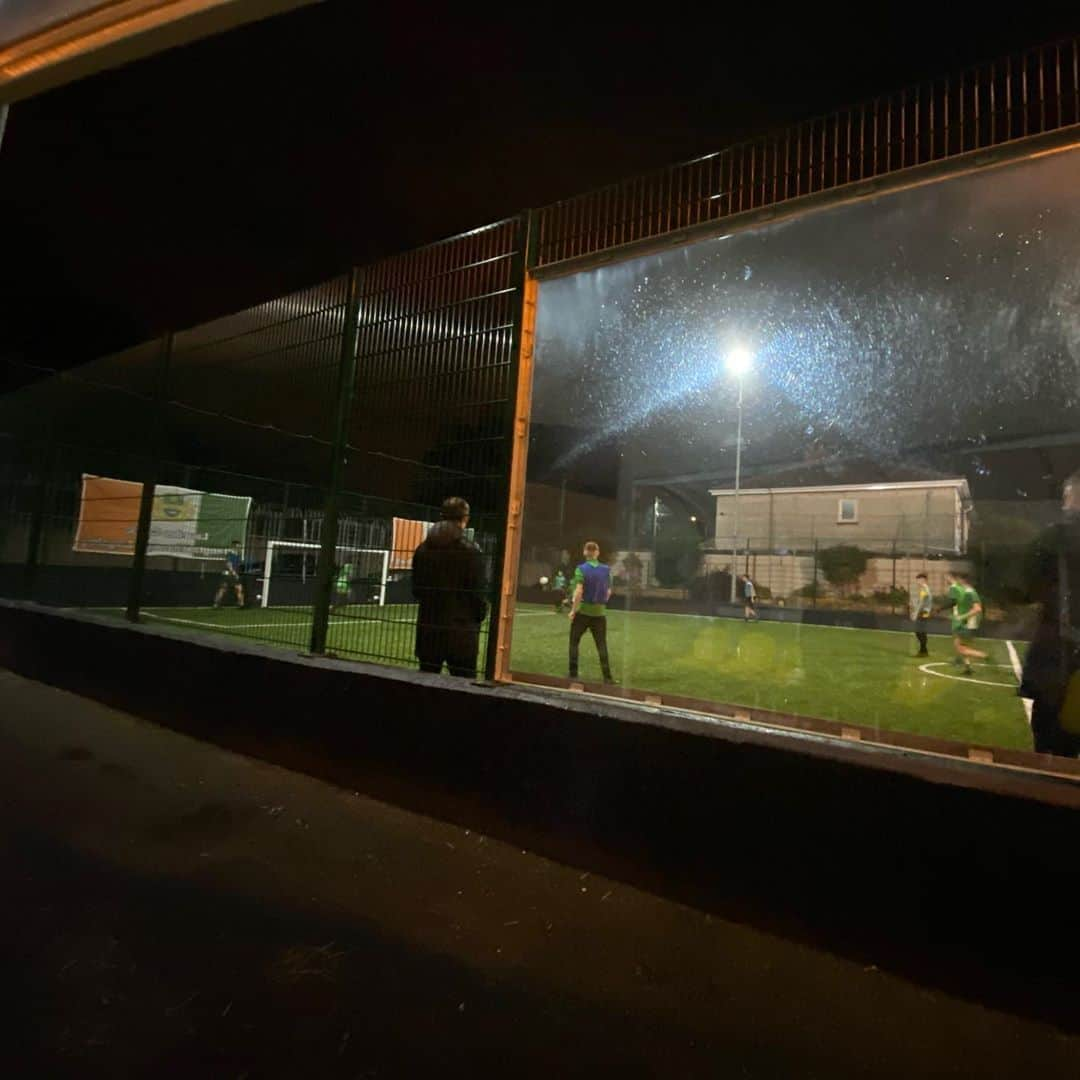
1051	675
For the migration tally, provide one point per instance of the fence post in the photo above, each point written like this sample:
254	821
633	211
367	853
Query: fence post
813	599
516	430
142	542
37	517
149	483
346	383
892	591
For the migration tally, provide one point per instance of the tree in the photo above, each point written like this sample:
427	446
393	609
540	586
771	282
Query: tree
843	565
711	588
1004	551
632	568
678	552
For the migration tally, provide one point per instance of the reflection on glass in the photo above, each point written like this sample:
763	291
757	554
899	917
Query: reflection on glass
807	450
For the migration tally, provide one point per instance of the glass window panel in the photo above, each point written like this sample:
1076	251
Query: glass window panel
803	447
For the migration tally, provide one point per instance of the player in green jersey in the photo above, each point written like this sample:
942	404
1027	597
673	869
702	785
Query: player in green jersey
967	611
562	594
342	586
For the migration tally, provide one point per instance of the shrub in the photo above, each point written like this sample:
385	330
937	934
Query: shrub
843	565
714	587
633	569
893	597
678	552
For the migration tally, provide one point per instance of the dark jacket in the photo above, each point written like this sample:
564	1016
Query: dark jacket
1052	656
449	580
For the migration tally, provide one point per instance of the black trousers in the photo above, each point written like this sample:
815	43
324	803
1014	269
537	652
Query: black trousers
920	636
1047	733
454	646
597	626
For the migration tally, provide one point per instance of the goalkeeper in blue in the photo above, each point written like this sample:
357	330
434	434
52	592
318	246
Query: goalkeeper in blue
230	577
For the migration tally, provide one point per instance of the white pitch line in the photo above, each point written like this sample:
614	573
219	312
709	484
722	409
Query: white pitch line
928	669
226	627
760	622
1014	659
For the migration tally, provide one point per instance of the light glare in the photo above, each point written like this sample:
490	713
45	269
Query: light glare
739	361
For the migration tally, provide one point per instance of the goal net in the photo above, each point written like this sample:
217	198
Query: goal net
291	572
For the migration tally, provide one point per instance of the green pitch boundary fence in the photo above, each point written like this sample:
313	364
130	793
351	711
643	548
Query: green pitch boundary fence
377	393
334	410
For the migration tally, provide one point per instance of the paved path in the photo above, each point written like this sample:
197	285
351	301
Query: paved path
174	909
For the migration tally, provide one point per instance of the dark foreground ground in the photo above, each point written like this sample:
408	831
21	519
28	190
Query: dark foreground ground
174	909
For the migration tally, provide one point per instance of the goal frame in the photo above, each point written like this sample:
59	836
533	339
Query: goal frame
300	545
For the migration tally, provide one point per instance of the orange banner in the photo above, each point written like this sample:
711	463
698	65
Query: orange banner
407	537
109	517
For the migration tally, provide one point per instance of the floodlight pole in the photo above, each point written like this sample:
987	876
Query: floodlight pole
735	511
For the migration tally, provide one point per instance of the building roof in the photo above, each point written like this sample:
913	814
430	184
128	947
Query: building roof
958	483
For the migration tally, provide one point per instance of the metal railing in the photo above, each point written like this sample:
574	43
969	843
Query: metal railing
1032	93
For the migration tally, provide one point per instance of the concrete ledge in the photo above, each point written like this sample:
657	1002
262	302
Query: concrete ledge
912	747
947	870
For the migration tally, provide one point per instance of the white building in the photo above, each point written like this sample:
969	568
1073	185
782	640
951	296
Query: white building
915	517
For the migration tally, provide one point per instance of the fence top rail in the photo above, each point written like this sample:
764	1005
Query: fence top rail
1023	98
780	132
648	204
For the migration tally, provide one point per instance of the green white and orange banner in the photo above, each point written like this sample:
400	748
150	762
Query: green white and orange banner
185	524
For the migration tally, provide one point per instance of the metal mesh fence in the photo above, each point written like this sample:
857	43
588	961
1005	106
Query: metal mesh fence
269	474
249	404
430	419
301	450
229	421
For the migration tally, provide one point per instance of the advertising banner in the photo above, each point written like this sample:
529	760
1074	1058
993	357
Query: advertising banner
408	533
186	524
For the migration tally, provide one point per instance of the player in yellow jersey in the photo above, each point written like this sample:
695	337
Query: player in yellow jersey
922	604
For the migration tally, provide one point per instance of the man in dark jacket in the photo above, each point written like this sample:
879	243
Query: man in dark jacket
449	581
1053	659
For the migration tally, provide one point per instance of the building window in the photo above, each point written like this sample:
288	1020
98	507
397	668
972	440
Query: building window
847	512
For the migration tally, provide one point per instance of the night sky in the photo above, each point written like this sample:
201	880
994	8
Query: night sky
237	168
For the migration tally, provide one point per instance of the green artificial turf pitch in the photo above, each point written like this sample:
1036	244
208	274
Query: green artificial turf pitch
866	677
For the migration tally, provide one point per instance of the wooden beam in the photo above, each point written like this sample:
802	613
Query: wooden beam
110	34
519	464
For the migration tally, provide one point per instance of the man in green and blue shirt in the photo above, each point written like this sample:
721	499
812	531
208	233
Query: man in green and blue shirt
588	612
967	612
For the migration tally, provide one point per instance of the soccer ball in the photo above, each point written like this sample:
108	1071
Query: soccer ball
543	581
